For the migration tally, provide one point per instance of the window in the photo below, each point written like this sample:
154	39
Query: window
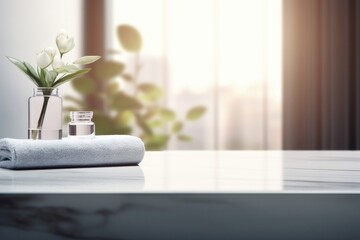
222	54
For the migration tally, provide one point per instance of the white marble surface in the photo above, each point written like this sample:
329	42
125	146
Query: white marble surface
201	171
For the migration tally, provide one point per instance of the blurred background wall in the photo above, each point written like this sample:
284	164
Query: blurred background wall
224	55
270	74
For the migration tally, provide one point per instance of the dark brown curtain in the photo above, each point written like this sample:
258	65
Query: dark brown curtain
321	62
94	42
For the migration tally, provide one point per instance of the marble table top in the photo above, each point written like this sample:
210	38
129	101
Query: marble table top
201	171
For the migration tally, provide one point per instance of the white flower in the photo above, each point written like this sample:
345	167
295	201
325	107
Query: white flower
60	67
58	64
64	42
45	57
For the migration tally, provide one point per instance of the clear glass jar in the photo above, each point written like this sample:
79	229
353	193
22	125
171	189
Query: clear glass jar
45	114
81	125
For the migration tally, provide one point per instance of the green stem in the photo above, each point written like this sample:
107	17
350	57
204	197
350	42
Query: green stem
36	134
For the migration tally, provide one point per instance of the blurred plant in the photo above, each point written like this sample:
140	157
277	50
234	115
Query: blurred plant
133	106
51	71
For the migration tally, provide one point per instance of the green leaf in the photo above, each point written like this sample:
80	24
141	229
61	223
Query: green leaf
34	75
104	124
18	63
154	124
147	87
151	112
127	77
71	76
123	130
42	74
109	69
31	70
22	66
50	76
122	101
142	124
125	117
129	38
156	142
195	113
112	88
184	138
150	91
167	114
84	85
177	127
87	59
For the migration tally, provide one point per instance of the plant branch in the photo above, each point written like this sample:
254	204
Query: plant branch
36	134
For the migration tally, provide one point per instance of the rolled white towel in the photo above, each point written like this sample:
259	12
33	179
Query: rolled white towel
111	150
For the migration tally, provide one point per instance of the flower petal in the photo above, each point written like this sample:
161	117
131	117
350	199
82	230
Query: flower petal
43	60
64	42
87	59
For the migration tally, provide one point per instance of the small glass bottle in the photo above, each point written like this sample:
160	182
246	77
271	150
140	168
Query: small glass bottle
81	125
45	114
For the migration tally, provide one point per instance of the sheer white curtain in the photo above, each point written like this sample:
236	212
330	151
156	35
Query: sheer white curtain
222	54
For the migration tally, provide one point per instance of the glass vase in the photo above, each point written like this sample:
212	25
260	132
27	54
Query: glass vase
45	114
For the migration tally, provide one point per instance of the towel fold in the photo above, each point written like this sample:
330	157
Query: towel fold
110	150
